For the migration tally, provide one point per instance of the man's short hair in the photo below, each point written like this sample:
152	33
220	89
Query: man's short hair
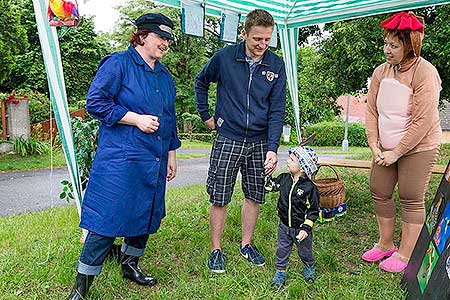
258	17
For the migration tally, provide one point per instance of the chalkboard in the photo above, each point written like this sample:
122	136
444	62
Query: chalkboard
427	276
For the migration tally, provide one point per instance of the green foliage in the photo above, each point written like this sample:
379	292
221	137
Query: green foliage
350	54
436	43
202	137
38	103
27	147
13	40
80	55
67	191
332	134
85	141
191	123
15	162
315	105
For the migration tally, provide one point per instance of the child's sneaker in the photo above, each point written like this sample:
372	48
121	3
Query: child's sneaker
309	272
216	262
252	254
279	279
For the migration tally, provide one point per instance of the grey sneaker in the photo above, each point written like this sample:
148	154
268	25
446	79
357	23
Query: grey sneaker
216	262
252	254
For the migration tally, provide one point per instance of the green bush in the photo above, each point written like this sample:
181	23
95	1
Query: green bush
202	137
26	147
332	134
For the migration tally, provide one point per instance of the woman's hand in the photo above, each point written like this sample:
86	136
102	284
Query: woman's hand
390	157
171	165
376	154
147	123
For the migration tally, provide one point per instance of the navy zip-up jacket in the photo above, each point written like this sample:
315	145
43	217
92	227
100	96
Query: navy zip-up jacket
249	107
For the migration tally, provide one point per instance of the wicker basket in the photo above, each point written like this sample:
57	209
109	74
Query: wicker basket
331	190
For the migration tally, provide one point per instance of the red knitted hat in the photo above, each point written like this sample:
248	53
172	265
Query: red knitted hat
402	21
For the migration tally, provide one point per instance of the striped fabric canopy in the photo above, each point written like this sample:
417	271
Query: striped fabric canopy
298	13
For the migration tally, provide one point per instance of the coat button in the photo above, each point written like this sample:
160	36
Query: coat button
158	137
157	159
157	90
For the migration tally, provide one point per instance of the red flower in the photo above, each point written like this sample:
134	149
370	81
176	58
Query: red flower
25	97
15	101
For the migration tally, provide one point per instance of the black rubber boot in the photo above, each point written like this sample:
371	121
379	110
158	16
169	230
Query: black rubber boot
131	271
81	287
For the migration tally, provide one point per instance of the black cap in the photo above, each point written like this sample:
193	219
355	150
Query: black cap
157	23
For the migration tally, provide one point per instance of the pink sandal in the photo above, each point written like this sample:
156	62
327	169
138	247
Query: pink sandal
377	253
394	264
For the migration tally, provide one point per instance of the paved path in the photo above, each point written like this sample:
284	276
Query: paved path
27	191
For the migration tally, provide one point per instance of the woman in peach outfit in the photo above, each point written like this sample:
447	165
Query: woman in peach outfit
403	132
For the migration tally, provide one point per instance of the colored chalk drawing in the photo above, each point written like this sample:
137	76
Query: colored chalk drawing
428	263
433	215
443	230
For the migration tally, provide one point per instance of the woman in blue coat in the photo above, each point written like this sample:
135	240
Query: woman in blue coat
133	96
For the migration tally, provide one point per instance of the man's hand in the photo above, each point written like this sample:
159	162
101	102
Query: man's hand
270	164
301	235
210	123
171	165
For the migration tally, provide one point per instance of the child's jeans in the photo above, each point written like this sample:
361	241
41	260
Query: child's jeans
286	239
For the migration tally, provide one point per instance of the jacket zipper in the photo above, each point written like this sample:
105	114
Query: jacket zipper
290	203
248	102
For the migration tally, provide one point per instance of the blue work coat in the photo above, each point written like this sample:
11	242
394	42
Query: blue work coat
125	193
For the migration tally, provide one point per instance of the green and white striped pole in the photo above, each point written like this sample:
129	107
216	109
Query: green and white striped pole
52	60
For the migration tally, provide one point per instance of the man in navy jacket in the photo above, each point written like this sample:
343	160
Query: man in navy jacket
248	117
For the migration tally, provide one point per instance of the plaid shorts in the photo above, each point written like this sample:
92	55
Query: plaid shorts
227	158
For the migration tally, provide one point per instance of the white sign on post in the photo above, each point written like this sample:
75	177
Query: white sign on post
274	39
229	26
192	18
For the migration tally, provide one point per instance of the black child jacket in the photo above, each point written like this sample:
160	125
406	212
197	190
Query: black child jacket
298	204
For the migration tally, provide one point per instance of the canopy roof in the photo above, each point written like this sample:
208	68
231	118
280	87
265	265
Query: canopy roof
299	13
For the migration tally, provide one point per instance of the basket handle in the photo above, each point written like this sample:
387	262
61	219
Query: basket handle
329	166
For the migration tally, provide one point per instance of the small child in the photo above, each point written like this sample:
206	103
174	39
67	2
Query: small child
298	208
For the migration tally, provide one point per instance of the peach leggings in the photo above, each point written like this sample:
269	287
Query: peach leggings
413	174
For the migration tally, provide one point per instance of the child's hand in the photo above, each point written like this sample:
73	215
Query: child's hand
302	235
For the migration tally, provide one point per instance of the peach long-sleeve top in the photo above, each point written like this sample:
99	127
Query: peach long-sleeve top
402	107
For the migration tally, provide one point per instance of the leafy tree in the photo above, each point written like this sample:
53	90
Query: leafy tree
13	39
350	54
191	122
80	55
354	48
436	44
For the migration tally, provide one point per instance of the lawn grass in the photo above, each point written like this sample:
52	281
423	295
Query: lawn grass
177	254
12	162
186	144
